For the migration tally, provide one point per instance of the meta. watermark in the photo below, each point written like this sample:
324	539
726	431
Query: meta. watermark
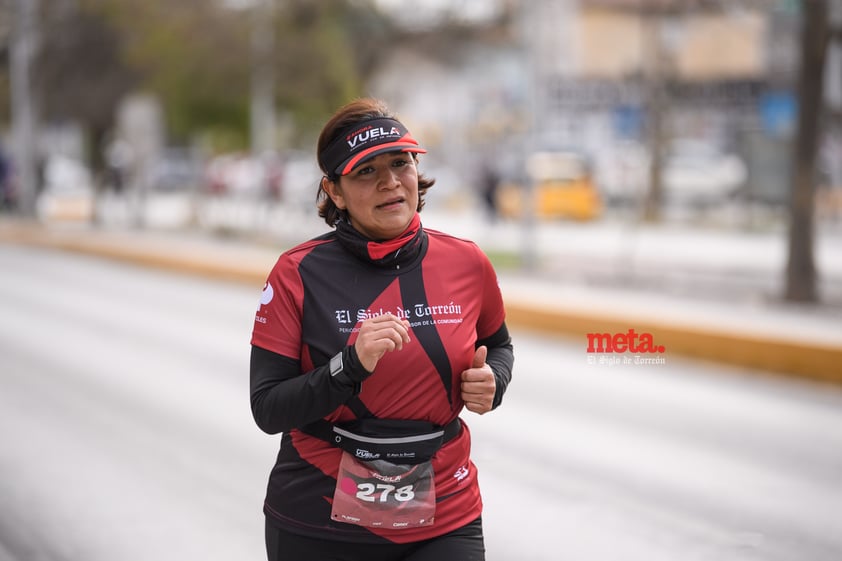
624	348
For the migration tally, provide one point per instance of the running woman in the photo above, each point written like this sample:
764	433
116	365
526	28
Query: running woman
368	343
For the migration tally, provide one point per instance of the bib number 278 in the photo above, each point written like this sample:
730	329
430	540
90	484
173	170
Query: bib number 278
381	492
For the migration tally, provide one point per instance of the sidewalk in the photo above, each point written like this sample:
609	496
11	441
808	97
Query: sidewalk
718	307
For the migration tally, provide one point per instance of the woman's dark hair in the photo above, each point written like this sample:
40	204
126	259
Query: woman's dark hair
348	115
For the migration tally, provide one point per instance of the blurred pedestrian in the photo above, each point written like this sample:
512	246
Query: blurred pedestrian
489	187
118	162
368	342
7	194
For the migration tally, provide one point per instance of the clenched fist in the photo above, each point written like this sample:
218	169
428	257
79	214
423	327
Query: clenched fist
378	336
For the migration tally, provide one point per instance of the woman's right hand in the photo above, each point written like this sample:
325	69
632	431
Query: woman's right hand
378	336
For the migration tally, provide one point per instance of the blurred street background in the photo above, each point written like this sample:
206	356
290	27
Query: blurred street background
664	165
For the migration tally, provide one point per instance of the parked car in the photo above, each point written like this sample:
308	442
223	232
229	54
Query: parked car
696	173
67	191
299	179
564	188
242	174
177	170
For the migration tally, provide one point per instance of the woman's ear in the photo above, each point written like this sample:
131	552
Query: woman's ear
334	192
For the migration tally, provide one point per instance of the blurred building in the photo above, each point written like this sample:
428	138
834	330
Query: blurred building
582	74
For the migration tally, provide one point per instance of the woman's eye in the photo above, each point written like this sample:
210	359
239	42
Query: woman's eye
370	169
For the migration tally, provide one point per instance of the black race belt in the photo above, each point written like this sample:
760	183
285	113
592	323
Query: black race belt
396	441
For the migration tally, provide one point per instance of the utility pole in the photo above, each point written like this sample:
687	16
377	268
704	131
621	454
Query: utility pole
657	72
657	106
263	119
24	46
801	268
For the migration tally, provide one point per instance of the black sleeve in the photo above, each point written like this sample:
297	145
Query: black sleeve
282	398
501	359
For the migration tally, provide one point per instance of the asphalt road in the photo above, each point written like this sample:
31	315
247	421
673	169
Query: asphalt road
125	433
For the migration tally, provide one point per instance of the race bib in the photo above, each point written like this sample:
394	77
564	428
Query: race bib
380	494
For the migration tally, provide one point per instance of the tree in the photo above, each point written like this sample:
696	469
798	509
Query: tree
194	56
23	49
79	75
801	269
657	76
319	48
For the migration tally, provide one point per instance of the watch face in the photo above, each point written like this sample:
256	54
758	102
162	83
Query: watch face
336	364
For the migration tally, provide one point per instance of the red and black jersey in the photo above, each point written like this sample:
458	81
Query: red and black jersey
314	300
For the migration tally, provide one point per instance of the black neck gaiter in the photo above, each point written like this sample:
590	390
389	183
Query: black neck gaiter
394	253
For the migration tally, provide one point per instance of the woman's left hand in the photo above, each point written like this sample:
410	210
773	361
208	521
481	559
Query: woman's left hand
478	385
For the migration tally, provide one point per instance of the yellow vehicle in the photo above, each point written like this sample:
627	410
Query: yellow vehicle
563	188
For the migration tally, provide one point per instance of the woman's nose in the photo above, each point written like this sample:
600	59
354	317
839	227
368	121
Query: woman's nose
387	178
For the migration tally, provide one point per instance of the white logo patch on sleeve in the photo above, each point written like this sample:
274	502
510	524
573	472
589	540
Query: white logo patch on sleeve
266	296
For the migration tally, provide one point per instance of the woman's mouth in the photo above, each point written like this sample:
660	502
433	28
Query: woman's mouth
391	203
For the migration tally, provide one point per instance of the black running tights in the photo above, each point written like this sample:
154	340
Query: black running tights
463	544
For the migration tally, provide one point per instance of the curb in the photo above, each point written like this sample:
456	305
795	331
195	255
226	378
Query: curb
807	360
812	361
173	259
